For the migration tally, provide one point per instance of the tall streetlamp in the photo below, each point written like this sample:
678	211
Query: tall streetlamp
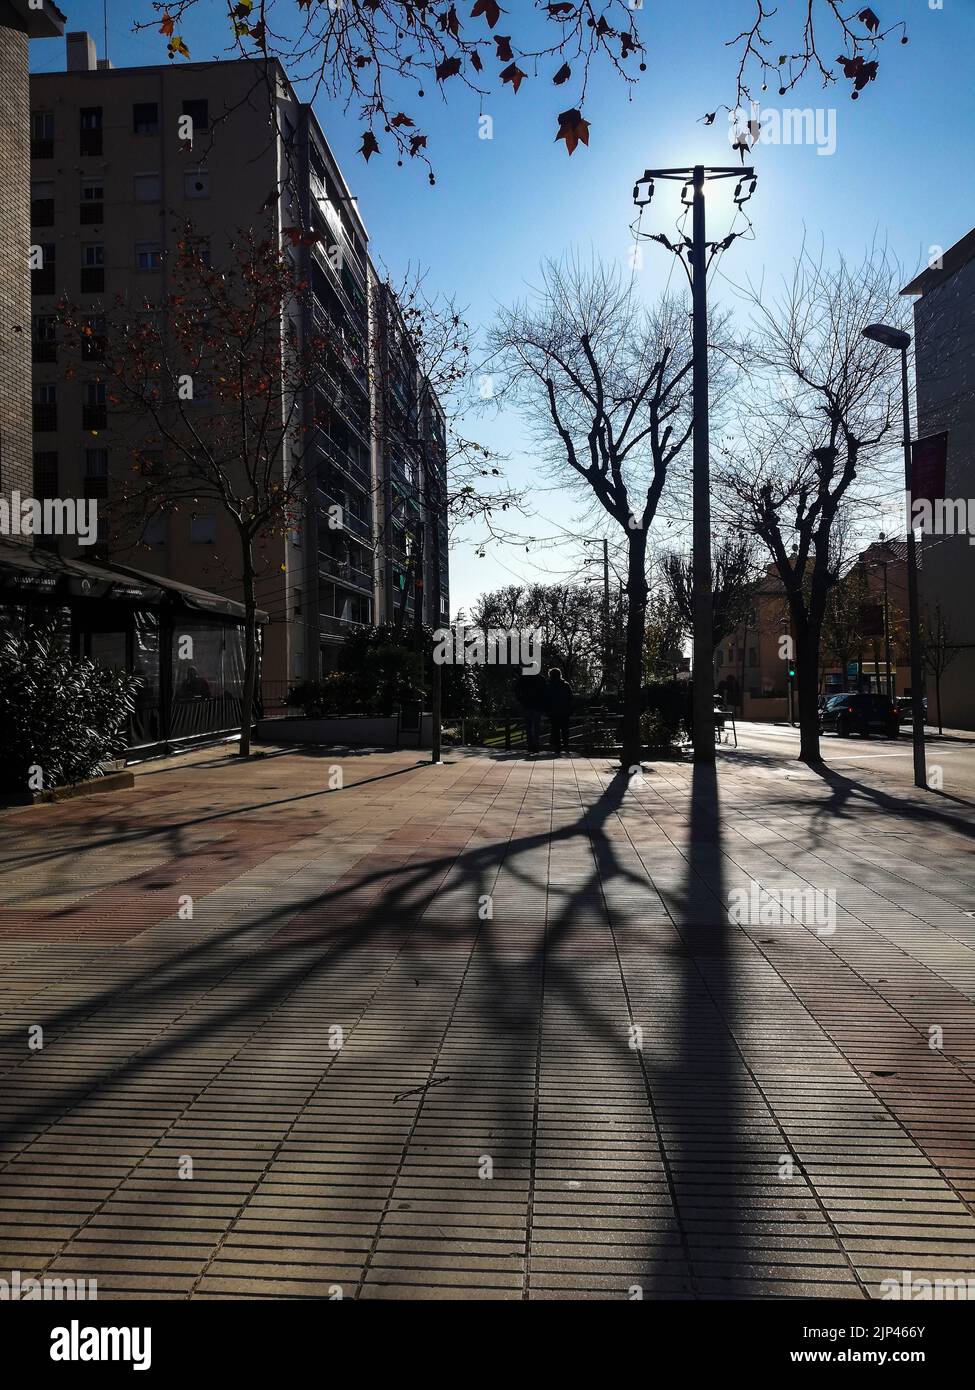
900	341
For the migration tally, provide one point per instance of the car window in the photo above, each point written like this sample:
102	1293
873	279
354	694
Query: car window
835	700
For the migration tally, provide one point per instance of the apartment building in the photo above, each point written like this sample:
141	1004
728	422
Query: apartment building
944	335
114	179
20	21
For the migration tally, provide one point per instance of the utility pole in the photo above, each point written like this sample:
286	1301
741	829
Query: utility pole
699	255
607	643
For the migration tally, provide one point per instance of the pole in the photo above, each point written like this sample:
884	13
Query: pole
917	707
606	644
703	645
890	693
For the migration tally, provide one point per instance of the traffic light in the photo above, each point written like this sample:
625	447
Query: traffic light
792	670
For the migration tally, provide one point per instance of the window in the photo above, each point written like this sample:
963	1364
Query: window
93	340
90	133
42	279
753	656
46	473
41	134
45	406
154	531
96	463
148	255
94	413
44	344
148	188
92	267
145	118
203	530
196	183
92	201
198	112
42	204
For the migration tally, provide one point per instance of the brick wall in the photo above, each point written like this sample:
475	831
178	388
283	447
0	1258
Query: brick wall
16	458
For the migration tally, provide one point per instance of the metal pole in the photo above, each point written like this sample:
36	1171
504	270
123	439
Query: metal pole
890	692
606	642
703	645
917	707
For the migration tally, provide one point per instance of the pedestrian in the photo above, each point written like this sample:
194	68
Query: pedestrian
559	710
531	692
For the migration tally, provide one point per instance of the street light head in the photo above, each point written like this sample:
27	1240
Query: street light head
888	336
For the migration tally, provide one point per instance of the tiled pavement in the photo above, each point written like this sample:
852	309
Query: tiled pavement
395	1050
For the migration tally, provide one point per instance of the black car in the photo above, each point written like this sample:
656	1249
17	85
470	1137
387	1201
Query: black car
857	713
905	705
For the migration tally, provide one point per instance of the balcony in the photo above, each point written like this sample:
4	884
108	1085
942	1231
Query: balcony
42	212
354	524
90	142
42	149
341	459
94	417
338	627
43	350
331	568
45	418
42	281
92	213
92	280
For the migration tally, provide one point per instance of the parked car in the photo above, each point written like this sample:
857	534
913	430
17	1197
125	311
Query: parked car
904	704
856	713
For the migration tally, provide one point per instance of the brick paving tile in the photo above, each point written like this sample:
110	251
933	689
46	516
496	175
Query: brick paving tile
486	1031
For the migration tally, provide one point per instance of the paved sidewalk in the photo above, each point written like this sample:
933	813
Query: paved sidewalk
396	1050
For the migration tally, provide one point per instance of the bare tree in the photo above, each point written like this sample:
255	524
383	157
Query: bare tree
813	437
605	386
939	649
734	570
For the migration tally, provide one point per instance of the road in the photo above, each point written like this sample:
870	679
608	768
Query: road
892	760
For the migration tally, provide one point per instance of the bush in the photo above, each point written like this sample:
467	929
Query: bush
329	698
58	713
667	712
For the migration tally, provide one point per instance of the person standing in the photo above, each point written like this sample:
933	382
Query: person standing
559	710
531	692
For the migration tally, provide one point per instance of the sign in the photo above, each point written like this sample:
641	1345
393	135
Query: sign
929	462
853	668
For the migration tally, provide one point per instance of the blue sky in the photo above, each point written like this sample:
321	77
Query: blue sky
500	205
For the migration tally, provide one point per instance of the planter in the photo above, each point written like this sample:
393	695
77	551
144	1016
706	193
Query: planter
113	782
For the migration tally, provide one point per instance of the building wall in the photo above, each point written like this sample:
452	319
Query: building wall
945	365
16	473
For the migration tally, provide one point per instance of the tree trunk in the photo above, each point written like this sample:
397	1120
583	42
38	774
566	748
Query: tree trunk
807	678
937	696
636	620
250	658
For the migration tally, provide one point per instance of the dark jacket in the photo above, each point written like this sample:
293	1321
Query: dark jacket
559	698
531	692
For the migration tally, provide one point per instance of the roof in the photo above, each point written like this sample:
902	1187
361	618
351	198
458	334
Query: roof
952	261
37	21
34	570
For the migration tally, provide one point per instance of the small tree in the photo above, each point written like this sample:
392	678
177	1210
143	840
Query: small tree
939	649
605	386
820	413
213	384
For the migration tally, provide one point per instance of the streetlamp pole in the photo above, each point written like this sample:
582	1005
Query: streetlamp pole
901	341
914	615
700	253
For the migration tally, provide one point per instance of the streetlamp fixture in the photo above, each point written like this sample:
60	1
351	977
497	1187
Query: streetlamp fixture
900	341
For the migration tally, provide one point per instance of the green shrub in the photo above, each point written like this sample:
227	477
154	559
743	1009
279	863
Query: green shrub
667	712
58	713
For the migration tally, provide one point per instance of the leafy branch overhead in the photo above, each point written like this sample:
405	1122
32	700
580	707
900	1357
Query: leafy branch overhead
383	59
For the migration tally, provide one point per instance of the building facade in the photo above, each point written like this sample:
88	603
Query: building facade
944	323
113	183
19	22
